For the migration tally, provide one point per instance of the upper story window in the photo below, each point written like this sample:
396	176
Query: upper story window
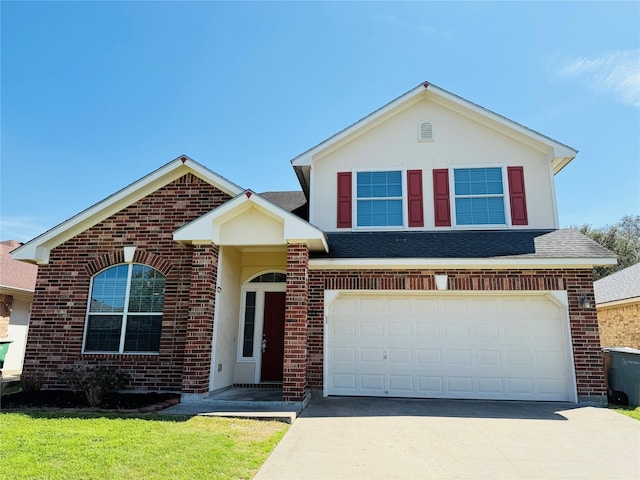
379	199
125	310
479	197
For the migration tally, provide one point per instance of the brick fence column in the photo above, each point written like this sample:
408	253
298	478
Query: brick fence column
199	335
294	380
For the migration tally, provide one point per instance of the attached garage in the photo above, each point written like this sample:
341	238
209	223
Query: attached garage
435	345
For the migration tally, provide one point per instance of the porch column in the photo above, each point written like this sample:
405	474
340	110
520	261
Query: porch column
199	335
294	380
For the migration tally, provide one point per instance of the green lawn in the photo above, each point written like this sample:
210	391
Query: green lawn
90	446
630	412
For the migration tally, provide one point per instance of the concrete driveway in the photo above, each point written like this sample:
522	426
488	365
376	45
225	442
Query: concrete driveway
375	438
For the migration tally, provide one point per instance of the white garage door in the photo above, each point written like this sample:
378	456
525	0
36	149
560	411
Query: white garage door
478	346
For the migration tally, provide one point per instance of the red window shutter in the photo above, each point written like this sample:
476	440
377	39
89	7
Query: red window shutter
344	200
414	200
441	200
517	197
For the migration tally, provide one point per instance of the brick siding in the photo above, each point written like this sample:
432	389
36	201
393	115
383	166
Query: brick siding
620	325
583	322
62	289
295	324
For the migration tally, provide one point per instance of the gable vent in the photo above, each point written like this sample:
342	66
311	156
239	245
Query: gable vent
425	132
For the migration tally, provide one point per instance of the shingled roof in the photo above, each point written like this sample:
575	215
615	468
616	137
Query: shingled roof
14	274
622	285
517	244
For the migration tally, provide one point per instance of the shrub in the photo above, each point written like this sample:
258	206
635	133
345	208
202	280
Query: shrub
94	381
31	382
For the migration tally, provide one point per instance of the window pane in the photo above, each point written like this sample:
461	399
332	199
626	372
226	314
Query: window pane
379	213
103	333
143	333
109	288
480	211
273	277
379	184
249	324
147	290
478	181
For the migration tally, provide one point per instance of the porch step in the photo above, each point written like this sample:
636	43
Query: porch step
265	404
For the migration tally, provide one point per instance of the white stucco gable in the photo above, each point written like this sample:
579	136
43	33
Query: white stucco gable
38	249
559	154
250	220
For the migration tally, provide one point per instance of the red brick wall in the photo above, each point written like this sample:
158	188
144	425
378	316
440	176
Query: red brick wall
295	324
583	322
62	289
199	337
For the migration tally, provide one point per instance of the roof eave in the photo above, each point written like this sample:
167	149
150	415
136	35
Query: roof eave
37	250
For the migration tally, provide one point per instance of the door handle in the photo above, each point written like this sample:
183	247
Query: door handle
264	344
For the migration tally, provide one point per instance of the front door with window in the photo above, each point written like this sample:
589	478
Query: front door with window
273	337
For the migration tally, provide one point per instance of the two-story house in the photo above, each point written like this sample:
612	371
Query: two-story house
423	258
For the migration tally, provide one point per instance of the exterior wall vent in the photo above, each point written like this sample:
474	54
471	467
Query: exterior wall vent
425	131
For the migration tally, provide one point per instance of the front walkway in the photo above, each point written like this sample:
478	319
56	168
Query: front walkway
375	438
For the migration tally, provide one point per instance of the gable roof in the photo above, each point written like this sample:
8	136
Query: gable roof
15	275
619	286
469	248
562	154
209	226
37	250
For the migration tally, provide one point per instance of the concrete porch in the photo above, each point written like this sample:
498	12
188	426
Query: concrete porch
241	402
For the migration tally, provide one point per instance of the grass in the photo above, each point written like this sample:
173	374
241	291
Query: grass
57	445
630	412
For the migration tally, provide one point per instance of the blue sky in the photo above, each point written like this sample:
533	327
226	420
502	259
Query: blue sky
95	95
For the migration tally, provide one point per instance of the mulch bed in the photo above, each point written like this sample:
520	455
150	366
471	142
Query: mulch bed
58	399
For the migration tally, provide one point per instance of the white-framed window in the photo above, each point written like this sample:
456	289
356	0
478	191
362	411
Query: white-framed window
124	314
379	198
479	197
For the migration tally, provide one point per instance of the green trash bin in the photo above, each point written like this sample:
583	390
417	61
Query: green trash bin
622	366
4	348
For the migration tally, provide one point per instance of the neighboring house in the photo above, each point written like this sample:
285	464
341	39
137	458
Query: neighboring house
17	283
618	305
426	261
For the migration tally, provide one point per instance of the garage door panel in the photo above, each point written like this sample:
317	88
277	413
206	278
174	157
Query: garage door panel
501	347
372	383
401	356
372	328
372	355
428	329
459	385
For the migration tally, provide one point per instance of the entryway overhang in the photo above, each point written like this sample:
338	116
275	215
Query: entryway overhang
250	220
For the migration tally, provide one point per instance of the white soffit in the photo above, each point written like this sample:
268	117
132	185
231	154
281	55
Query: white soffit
38	249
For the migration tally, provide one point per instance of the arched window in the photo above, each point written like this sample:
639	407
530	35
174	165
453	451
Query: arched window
125	310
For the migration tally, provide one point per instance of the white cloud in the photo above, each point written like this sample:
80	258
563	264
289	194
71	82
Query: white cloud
617	72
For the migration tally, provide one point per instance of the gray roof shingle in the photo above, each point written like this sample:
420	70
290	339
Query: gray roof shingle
566	243
622	285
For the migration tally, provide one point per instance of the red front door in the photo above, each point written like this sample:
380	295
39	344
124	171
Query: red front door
273	337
